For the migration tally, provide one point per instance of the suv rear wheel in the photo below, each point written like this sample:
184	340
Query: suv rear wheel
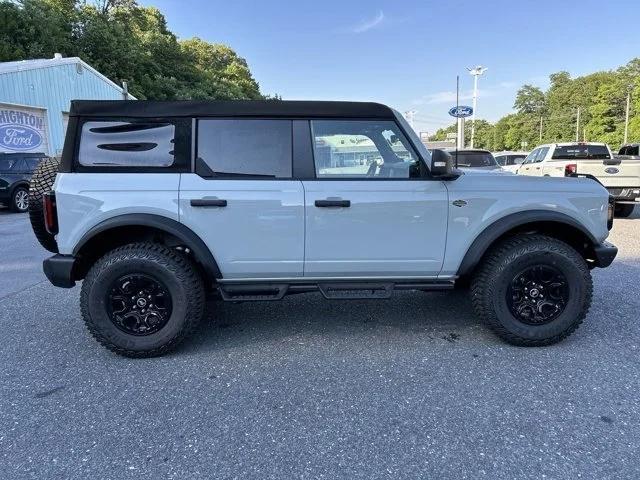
532	290
20	200
142	300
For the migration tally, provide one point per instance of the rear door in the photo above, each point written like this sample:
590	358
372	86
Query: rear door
370	212
242	200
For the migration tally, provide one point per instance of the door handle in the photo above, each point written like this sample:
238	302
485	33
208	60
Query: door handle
208	202
332	203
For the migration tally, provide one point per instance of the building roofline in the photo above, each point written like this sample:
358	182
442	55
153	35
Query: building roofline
25	65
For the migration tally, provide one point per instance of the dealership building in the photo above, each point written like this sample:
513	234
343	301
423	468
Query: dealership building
35	96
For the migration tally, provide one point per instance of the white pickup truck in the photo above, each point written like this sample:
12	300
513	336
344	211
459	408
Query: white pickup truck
620	175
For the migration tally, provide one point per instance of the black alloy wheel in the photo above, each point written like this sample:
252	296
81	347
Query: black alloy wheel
139	304
538	294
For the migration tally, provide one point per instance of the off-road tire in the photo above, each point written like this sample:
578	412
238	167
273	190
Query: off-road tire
623	210
41	183
171	267
15	204
500	266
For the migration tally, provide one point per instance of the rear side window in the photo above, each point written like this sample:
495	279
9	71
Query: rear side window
127	144
475	159
246	148
569	152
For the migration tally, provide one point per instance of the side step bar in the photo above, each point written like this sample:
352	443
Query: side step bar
331	290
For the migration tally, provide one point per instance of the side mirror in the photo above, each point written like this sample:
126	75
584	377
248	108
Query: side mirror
442	164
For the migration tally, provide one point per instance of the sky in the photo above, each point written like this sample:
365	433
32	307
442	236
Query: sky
407	53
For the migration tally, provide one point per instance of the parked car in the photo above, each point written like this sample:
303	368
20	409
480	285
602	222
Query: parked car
15	172
474	158
510	161
619	175
157	204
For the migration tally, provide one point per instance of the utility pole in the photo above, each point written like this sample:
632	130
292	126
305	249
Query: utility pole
626	116
540	128
476	72
578	126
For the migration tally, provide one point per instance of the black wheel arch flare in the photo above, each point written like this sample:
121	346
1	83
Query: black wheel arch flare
519	221
191	240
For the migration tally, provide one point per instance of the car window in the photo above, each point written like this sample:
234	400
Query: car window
476	159
32	163
502	160
246	147
127	144
516	159
362	149
542	152
532	156
589	152
6	164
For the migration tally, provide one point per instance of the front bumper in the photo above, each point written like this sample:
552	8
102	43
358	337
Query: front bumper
604	254
59	270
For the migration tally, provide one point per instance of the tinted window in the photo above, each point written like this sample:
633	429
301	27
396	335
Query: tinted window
569	152
246	147
32	163
362	149
502	160
125	144
475	159
6	164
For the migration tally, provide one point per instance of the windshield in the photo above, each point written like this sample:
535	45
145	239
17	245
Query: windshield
568	152
475	159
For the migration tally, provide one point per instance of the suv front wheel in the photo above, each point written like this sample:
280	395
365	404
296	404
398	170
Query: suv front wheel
142	300
532	290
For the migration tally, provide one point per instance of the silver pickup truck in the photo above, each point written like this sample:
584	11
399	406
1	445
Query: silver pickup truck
620	174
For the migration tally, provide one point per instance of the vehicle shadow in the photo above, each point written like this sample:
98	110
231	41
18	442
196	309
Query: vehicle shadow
309	318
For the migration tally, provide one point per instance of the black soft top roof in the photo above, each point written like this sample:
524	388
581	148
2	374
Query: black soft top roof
227	108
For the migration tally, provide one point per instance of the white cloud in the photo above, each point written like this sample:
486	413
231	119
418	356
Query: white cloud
368	24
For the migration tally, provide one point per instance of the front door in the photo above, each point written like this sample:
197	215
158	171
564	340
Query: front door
371	212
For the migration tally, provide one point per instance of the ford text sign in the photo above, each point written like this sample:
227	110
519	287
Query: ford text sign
23	129
19	138
461	111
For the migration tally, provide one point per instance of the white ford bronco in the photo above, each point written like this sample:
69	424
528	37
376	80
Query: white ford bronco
159	205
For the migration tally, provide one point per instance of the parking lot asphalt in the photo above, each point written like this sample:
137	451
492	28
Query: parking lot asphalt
411	387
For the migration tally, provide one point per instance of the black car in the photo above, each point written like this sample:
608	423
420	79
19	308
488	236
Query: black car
15	172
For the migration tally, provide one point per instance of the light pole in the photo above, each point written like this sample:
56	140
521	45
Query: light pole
410	115
476	72
626	115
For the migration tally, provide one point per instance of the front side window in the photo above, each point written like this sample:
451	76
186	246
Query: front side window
532	156
362	149
244	147
127	144
502	160
516	159
541	154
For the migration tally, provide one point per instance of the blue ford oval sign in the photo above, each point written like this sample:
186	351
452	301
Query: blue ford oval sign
461	111
611	170
19	137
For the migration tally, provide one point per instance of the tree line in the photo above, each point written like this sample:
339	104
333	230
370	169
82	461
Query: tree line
552	115
126	42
